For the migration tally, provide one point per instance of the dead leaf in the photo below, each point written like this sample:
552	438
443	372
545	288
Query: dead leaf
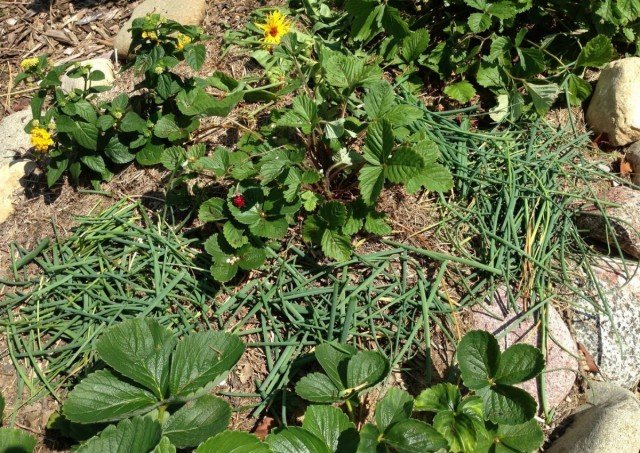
592	367
263	427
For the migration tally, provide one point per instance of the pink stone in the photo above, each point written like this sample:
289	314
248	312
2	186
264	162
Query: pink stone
562	363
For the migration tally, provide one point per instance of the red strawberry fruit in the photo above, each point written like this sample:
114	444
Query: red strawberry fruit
238	201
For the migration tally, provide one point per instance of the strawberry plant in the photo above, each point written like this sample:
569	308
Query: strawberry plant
155	387
326	157
493	415
347	374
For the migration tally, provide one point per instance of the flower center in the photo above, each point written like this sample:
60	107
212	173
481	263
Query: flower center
273	31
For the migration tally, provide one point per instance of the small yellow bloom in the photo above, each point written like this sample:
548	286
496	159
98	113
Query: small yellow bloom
276	26
29	63
41	139
183	40
152	35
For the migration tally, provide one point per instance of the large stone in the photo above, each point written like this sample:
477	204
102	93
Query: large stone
621	223
611	333
14	141
186	12
632	156
610	423
103	65
562	353
615	106
10	181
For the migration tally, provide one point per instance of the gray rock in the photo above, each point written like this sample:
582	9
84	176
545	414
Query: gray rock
14	141
624	220
186	12
97	64
632	156
610	423
615	105
562	353
612	340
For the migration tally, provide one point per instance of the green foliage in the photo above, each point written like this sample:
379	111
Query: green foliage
311	151
156	387
495	411
347	373
491	374
96	137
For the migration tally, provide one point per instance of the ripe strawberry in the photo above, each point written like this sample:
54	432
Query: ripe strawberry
238	201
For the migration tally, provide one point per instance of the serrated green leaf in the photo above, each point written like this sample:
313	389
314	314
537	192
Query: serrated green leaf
458	429
296	440
164	446
479	22
440	397
194	55
235	236
369	435
86	134
434	177
118	152
103	397
197	420
519	363
139	349
414	45
543	95
332	426
173	158
132	122
334	213
212	210
596	53
336	245
578	89
397	405
251	257
404	164
140	434
366	369
223	271
502	10
95	163
371	179
166	126
414	436
504	404
333	358
270	228
302	115
461	91
531	62
16	441
201	360
524	437
478	355
233	442
318	388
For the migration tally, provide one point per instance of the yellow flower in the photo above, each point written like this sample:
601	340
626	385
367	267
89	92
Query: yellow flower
41	139
29	63
183	40
152	35
276	26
